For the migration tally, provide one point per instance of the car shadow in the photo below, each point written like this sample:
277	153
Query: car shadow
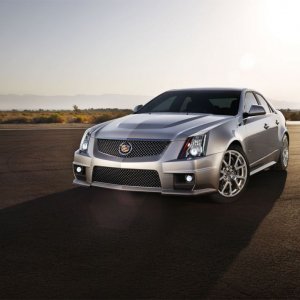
97	243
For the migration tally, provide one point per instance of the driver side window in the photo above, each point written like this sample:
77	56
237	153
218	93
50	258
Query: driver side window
249	101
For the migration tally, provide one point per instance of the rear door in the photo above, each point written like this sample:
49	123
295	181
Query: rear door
272	122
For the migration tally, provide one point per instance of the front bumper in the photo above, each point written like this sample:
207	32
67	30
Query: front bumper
206	172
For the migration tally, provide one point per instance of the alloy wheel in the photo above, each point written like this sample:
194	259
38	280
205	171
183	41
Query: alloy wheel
233	174
285	151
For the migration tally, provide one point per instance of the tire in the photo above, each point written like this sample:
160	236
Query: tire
234	176
283	160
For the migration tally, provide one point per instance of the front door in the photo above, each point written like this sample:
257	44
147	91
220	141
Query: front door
259	135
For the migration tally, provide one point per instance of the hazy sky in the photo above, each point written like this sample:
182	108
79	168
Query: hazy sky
143	47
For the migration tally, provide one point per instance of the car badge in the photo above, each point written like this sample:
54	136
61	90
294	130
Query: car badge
125	148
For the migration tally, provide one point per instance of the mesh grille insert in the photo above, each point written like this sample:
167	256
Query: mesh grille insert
129	177
139	148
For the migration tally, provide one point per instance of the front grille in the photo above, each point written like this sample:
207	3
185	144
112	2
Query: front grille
129	177
139	148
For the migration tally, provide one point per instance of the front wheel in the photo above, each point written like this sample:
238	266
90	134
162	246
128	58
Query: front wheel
234	176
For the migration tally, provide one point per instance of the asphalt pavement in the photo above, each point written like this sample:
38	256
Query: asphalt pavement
62	241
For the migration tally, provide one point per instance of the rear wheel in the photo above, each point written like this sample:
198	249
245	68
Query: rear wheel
234	176
283	160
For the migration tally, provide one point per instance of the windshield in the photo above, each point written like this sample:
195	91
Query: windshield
206	102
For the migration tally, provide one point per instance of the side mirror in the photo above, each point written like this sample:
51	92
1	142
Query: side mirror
137	108
255	110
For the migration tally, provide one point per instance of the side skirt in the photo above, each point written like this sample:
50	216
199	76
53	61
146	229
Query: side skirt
262	167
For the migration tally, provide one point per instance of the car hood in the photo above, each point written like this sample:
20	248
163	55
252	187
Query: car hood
158	126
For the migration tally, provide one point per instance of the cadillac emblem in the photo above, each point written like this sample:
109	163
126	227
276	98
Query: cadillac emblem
125	148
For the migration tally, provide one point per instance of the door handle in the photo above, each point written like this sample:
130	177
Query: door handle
266	126
277	122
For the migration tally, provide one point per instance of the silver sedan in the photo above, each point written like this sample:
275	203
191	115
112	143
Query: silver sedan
186	142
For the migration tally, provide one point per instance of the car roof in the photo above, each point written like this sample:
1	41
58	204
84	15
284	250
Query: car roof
209	89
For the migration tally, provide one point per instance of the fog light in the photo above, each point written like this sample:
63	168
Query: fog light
189	178
78	169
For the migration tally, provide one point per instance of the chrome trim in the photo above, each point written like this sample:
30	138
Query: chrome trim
80	182
264	157
262	167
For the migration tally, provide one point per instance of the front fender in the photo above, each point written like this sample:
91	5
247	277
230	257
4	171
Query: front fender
221	137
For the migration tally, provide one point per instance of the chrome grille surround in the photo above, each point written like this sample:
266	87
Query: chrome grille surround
139	148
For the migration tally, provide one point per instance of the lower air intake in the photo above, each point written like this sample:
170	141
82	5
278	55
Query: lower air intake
129	177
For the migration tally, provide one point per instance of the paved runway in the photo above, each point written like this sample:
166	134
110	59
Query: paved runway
61	241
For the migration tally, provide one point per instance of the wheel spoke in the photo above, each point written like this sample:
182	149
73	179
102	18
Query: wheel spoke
236	162
225	186
240	167
236	183
230	188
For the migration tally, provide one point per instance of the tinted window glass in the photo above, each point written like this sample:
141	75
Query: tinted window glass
263	103
191	101
185	104
164	106
249	101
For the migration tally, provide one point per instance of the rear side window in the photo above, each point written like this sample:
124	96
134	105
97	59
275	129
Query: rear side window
264	103
249	101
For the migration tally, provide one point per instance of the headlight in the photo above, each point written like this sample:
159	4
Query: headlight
194	146
84	144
